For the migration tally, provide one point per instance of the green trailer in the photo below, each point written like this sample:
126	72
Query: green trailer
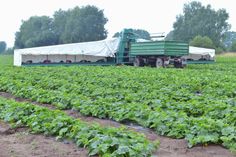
159	53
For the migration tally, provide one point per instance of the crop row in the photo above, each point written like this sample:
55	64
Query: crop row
197	103
182	104
103	141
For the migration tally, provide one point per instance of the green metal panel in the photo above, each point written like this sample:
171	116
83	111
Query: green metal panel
126	37
168	48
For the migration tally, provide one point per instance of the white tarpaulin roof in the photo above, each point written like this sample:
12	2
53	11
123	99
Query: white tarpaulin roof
201	51
105	48
95	48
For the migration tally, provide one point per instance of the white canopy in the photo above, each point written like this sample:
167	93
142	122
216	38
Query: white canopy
201	51
103	48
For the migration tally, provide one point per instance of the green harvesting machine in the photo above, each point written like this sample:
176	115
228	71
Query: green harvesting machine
152	53
125	50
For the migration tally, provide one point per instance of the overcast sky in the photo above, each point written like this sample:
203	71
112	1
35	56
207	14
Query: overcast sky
154	16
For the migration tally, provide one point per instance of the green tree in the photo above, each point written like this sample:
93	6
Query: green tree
117	34
200	41
229	38
140	33
201	20
169	36
84	24
9	51
233	47
37	31
3	46
74	25
59	22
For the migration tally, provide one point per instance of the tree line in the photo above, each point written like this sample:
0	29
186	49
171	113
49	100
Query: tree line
199	25
203	26
79	24
4	49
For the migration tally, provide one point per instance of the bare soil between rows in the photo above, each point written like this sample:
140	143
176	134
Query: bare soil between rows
20	143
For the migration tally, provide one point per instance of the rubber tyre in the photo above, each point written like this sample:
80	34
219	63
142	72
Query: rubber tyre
138	62
159	63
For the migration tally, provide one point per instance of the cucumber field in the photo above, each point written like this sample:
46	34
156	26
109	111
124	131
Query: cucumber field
196	104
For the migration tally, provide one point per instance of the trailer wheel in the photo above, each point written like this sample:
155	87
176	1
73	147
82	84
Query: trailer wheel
138	62
151	62
179	65
159	62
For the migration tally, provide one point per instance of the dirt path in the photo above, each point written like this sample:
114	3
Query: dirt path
20	143
168	148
